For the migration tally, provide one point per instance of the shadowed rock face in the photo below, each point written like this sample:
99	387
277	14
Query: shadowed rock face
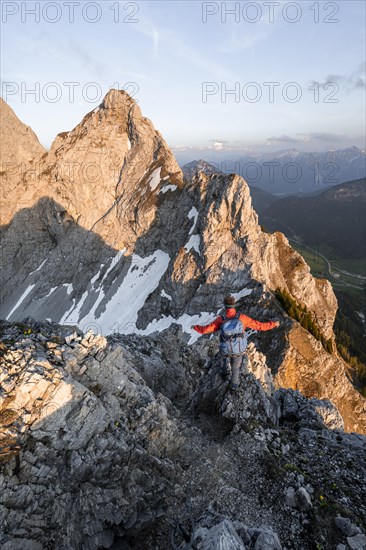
109	237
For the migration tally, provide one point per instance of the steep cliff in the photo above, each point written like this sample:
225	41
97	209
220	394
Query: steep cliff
19	146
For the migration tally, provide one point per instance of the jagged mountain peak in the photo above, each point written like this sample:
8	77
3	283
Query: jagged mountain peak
117	109
117	99
98	171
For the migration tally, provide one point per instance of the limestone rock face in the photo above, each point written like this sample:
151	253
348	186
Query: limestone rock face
307	367
19	146
250	406
101	170
219	537
104	172
232	240
86	440
280	266
301	363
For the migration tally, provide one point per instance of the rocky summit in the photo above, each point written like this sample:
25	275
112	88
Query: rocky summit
117	430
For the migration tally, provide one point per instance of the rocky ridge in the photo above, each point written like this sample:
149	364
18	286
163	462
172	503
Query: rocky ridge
19	147
121	244
108	442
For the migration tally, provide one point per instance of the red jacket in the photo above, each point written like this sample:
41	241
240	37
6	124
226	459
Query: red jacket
248	322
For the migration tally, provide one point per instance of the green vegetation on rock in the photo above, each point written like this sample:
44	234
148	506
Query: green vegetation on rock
301	314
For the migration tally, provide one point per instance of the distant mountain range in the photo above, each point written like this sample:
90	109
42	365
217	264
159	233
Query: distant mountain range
291	172
336	217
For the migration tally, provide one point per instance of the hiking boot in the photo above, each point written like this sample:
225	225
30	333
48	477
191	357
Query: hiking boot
233	388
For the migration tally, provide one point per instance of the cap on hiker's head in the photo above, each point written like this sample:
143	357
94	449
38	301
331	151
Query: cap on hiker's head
229	301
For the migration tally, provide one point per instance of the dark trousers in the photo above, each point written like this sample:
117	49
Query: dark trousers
233	363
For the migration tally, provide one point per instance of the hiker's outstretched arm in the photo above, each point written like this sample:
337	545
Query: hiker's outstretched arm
207	329
248	322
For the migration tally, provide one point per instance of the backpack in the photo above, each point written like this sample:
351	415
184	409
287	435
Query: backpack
233	338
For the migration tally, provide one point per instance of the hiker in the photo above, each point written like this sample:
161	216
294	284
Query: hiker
233	341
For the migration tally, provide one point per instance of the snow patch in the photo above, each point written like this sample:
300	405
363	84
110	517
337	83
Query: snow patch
185	320
21	300
194	242
241	293
165	295
39	267
74	313
193	213
155	178
128	144
50	292
69	288
168	188
121	311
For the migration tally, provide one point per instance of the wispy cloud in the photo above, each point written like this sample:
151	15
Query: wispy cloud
242	37
284	139
322	136
307	137
218	140
156	37
87	60
170	43
151	31
351	81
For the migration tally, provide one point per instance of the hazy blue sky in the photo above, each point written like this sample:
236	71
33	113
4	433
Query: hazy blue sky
172	52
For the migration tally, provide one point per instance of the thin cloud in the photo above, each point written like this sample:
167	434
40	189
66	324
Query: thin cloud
156	37
322	136
88	60
240	39
285	139
352	81
173	43
151	32
308	137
